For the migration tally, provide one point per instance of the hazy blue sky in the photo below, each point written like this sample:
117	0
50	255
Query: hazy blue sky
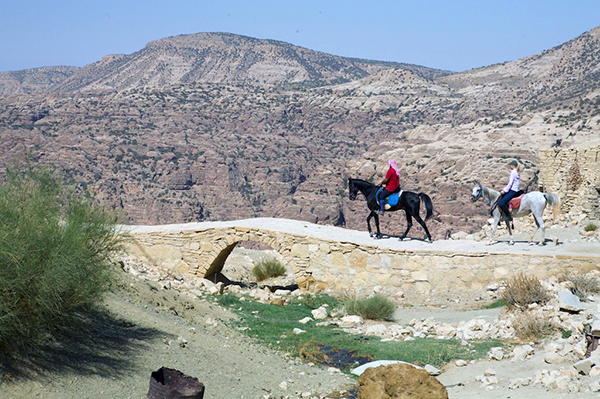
446	34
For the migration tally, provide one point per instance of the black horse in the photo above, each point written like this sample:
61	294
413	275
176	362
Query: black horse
408	201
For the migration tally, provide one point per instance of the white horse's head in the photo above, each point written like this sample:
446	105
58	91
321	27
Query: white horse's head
476	193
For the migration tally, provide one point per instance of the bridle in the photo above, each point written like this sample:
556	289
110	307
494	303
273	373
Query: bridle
479	193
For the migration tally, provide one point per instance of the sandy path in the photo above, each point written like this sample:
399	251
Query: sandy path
145	338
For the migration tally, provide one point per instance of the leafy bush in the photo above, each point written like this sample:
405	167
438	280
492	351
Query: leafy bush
582	285
590	227
376	307
54	255
522	291
267	269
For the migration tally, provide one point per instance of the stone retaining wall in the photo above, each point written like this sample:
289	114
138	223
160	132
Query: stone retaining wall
325	264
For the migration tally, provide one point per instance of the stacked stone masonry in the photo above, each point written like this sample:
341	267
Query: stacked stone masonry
574	175
320	264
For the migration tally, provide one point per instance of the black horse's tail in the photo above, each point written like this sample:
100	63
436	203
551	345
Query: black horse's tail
428	205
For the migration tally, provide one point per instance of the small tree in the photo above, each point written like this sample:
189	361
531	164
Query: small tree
54	255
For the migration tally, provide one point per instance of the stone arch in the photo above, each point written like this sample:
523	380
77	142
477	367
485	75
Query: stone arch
225	242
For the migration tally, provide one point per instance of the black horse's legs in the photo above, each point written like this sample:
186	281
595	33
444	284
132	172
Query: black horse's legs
422	223
373	214
376	216
408	225
369	223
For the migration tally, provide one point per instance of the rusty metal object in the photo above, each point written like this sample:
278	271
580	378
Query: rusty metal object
591	340
167	383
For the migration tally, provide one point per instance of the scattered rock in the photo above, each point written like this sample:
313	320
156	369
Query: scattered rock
585	366
521	353
399	381
432	370
569	302
361	369
496	353
319	313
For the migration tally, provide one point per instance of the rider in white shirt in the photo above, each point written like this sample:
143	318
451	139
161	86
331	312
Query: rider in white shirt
510	191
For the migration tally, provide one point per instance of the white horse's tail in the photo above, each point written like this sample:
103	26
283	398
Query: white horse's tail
554	202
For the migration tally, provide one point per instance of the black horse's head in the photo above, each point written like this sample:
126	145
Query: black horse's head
476	193
352	189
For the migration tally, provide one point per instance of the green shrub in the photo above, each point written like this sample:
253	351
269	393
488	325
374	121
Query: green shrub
314	301
54	255
267	269
499	303
522	291
590	227
376	307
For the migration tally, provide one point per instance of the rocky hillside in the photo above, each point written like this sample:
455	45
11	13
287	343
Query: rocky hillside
34	80
211	58
218	127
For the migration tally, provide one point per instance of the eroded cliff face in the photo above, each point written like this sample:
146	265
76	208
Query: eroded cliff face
220	142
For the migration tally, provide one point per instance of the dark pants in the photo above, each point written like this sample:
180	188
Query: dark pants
383	195
504	201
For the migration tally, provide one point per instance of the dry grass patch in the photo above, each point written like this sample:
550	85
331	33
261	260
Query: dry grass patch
267	269
522	290
590	227
582	285
376	307
532	326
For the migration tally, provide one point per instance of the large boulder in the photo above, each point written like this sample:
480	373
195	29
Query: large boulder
399	381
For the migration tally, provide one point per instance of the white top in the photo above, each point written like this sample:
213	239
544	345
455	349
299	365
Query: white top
513	181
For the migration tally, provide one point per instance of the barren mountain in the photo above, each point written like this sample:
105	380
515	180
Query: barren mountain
34	80
218	126
218	58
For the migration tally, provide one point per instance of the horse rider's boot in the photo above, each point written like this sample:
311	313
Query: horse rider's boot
507	215
381	207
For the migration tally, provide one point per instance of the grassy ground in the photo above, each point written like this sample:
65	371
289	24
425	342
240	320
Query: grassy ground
272	325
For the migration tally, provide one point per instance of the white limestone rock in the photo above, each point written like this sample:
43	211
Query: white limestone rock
584	366
495	353
569	302
320	313
521	353
493	287
554	358
432	370
595	385
350	321
595	325
376	329
553	346
361	369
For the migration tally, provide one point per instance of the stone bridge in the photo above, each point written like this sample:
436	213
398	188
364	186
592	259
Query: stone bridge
323	257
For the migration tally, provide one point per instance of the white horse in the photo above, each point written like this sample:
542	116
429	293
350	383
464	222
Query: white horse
534	202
